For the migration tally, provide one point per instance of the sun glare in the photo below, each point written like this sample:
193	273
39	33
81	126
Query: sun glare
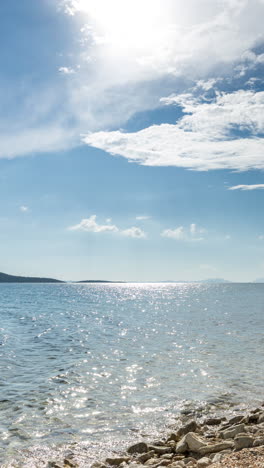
123	24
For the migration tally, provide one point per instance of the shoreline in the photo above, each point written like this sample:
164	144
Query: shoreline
236	441
194	441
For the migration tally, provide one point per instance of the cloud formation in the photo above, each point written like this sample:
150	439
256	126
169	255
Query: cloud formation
209	136
247	187
193	233
91	225
124	56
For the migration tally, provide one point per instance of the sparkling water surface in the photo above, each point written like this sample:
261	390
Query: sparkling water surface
96	366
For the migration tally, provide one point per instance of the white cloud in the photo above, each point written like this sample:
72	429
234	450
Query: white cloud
193	233
91	225
135	232
24	208
247	187
177	233
142	218
66	70
261	237
201	140
126	53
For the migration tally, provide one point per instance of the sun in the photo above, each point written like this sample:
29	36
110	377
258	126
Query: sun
124	24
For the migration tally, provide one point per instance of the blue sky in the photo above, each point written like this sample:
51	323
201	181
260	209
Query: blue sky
132	139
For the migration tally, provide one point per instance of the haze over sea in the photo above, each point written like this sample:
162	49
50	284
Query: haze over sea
101	365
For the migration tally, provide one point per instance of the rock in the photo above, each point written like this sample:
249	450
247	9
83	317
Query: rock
117	461
98	465
178	464
216	447
146	456
231	432
70	463
160	450
189	427
243	441
163	463
173	436
235	420
167	456
194	442
213	421
140	447
261	418
187	460
182	446
203	462
218	457
151	461
258	442
252	418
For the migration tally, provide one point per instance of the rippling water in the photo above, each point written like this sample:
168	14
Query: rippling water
89	366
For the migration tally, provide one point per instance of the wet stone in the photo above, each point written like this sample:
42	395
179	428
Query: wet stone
140	447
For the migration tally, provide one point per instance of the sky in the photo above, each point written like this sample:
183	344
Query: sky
131	139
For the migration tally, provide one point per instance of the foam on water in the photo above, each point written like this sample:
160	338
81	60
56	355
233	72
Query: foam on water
92	367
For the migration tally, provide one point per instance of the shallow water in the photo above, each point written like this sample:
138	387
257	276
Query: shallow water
88	366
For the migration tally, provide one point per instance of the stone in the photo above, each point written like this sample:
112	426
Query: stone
213	421
70	463
258	442
160	450
146	456
204	462
167	456
261	418
235	420
163	463
117	461
216	447
231	432
98	464
188	460
243	441
140	447
182	446
194	442
178	464
173	436
151	461
189	427
252	418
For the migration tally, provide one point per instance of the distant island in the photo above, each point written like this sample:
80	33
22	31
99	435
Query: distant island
4	278
99	281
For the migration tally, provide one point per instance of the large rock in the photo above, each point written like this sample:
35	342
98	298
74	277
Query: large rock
182	446
140	447
243	441
261	418
235	420
232	432
216	447
194	442
189	427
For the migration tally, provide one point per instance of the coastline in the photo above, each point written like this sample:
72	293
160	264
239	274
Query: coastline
195	441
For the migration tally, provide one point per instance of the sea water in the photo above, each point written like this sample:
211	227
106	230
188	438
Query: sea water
93	367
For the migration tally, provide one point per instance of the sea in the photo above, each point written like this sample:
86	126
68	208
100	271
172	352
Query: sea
87	369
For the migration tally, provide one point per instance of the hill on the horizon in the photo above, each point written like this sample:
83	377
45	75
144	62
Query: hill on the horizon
5	278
